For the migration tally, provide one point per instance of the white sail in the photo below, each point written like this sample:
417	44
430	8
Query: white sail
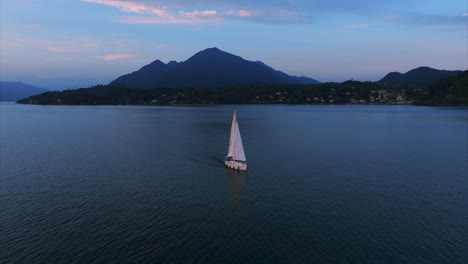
232	138
236	149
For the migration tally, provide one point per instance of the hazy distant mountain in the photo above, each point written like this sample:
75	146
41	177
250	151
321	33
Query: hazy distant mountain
208	68
419	76
13	91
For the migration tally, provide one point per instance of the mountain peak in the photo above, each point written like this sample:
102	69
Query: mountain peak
157	62
212	57
172	64
424	68
212	49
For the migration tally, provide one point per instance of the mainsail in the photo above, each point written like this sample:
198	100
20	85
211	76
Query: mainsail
236	149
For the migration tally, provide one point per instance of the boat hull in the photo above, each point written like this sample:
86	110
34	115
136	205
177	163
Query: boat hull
236	165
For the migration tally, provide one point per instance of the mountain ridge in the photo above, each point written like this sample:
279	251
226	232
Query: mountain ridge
422	75
13	91
208	68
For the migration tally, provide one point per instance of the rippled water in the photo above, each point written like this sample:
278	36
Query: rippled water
327	184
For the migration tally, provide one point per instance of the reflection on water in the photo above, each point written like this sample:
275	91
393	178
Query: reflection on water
236	181
236	184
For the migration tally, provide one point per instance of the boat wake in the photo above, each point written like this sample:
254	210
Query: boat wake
218	164
204	158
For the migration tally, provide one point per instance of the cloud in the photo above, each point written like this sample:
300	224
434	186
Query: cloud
111	57
455	22
194	17
184	12
31	26
57	49
296	6
86	45
245	13
157	15
209	14
358	26
156	20
146	13
417	19
132	7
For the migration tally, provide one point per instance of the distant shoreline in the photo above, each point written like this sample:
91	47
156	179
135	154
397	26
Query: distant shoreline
208	105
346	93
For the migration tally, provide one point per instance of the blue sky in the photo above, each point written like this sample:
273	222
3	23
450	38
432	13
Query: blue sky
60	44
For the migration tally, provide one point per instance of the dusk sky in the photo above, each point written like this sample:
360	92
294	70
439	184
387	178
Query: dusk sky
60	44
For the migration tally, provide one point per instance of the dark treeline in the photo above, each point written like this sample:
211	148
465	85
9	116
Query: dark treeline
448	91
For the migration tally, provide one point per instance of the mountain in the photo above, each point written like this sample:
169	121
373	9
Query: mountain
146	77
421	76
208	68
292	79
13	91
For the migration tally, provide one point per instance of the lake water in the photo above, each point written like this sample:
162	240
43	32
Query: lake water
326	184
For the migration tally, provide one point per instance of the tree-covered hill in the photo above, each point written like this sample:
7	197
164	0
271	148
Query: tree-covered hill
449	91
421	76
326	93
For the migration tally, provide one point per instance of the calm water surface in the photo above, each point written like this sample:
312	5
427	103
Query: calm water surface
327	184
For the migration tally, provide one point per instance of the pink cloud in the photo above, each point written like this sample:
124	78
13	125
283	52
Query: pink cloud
195	17
54	49
245	13
111	57
157	15
465	15
154	20
208	14
241	13
131	7
358	26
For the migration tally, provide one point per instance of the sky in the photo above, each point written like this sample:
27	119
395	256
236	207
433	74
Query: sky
63	44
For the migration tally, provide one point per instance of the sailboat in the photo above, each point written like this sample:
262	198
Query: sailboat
235	158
